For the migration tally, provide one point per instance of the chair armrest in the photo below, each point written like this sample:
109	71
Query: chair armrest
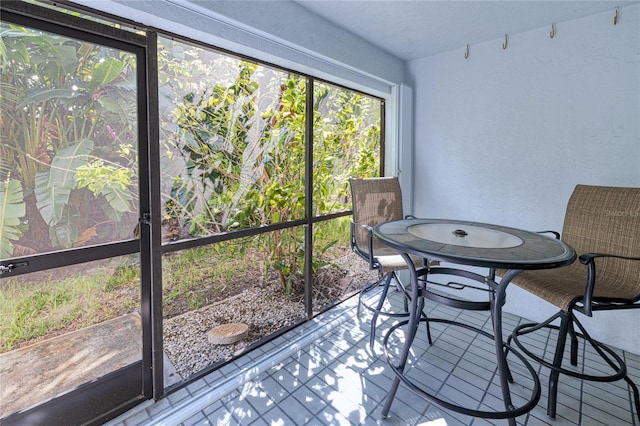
555	234
589	259
354	245
370	243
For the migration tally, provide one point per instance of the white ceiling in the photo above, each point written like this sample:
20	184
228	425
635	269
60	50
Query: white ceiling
411	29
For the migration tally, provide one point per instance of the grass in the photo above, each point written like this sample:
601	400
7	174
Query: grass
50	305
199	276
45	304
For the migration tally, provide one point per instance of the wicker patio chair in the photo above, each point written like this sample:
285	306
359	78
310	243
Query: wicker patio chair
602	224
378	200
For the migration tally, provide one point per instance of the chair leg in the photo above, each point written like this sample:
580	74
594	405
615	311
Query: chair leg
574	344
426	323
636	395
620	368
567	329
364	290
400	287
506	354
374	320
565	320
429	339
406	300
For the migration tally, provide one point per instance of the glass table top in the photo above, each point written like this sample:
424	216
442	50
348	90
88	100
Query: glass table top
474	243
464	235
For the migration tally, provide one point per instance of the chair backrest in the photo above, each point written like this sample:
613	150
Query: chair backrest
375	200
606	220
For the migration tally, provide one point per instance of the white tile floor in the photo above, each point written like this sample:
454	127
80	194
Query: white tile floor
323	373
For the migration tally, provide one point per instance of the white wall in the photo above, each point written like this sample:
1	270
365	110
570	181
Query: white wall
504	136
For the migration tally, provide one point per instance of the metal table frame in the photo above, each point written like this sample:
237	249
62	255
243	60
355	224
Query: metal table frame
535	251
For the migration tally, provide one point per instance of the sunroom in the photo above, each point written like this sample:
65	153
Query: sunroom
173	167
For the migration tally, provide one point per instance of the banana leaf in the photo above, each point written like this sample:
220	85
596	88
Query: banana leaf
118	198
43	95
54	186
105	72
65	232
12	208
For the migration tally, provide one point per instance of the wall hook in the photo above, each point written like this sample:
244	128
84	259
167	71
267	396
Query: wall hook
552	34
506	42
466	54
615	17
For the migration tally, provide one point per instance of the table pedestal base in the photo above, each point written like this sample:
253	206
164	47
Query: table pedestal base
399	371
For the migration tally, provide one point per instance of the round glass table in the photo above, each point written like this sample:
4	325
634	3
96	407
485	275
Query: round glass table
473	244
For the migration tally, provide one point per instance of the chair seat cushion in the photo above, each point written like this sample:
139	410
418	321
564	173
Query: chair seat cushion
395	262
564	286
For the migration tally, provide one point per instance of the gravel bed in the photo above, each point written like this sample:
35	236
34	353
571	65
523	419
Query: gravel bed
185	336
263	308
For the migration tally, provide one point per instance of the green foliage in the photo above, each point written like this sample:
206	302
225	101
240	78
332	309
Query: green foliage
319	252
123	277
12	209
54	185
195	277
31	308
250	161
108	180
240	132
244	148
61	101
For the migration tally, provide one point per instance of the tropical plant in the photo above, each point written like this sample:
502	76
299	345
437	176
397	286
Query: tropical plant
67	107
12	209
248	160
